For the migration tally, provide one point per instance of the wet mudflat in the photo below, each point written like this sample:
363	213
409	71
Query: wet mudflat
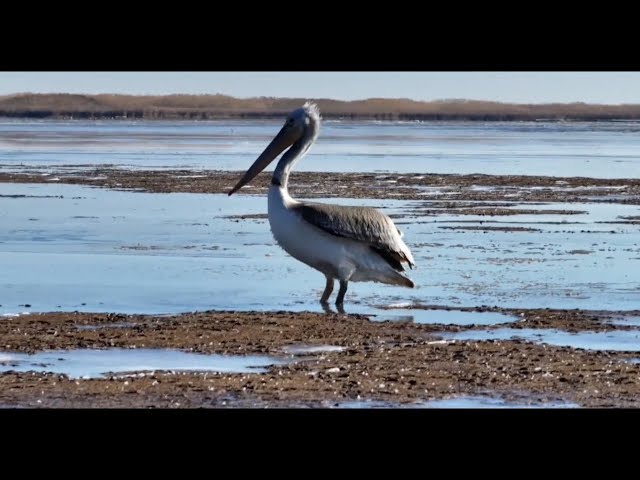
314	360
545	317
73	247
130	279
305	184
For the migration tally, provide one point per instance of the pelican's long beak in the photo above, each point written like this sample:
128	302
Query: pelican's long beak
285	138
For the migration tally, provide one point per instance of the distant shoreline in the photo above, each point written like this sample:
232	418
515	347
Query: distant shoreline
124	116
221	107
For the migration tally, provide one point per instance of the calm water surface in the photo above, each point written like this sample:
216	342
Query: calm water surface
69	247
594	149
65	247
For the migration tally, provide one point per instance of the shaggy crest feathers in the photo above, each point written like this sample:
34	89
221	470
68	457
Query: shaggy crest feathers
312	109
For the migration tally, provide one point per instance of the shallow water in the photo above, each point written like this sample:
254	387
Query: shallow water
464	401
603	149
68	247
630	321
492	402
98	363
445	317
615	340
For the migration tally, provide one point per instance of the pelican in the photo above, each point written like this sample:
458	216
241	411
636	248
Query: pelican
346	243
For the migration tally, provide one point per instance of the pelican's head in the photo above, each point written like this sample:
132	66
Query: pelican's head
301	122
302	118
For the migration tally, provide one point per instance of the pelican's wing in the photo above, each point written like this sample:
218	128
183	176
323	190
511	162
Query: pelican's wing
362	224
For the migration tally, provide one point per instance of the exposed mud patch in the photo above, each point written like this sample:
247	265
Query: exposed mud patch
394	362
417	186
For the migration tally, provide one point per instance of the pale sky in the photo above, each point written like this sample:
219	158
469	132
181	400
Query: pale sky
517	87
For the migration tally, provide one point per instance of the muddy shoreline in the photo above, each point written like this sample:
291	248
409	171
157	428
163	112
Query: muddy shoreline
440	188
400	363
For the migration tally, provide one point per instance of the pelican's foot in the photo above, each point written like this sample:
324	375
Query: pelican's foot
326	307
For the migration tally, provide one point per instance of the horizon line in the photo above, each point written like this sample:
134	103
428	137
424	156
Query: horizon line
455	99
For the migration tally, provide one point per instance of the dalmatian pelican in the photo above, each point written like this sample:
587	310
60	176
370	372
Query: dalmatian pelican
347	243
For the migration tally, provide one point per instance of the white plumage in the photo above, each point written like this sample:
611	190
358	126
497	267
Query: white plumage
356	244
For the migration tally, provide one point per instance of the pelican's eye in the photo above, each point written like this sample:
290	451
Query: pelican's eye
289	122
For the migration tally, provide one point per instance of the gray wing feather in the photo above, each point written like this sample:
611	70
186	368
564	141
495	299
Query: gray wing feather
362	224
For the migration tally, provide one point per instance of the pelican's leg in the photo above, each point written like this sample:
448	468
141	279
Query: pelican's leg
341	292
327	290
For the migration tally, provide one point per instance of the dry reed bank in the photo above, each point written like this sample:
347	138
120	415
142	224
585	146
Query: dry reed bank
209	107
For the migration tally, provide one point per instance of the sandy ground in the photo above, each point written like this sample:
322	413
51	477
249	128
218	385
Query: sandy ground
401	363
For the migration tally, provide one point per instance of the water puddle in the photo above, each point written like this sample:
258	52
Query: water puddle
492	402
447	317
311	349
367	404
633	321
616	340
465	401
99	363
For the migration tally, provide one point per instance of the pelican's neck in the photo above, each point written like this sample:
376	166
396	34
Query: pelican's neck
296	152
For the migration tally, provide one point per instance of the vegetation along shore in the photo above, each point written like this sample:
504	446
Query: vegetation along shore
211	107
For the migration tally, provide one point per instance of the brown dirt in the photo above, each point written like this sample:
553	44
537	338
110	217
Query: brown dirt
396	362
355	185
